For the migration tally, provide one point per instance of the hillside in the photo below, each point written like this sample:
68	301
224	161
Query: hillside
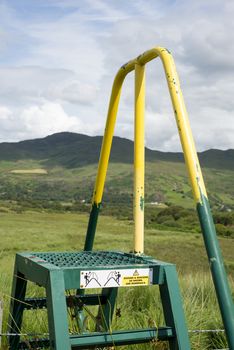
59	171
71	150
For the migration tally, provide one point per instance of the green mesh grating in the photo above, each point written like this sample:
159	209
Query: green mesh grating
91	259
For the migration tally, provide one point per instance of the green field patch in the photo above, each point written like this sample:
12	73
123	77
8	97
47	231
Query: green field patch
38	171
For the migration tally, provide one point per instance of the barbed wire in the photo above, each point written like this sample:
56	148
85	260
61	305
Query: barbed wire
23	334
206	331
47	334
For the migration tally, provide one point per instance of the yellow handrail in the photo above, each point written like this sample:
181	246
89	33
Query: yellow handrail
139	159
186	137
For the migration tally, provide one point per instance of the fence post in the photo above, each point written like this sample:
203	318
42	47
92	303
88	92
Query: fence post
1	315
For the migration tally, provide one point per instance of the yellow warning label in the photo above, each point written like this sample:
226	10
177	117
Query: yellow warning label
135	281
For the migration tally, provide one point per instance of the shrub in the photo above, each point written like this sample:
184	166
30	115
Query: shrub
223	230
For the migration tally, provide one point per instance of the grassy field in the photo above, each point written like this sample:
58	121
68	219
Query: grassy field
41	231
30	171
28	179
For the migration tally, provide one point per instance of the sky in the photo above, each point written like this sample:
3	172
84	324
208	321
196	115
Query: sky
58	60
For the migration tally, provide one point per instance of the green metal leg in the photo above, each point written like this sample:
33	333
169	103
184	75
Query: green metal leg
80	319
219	275
90	235
173	310
106	311
16	308
57	311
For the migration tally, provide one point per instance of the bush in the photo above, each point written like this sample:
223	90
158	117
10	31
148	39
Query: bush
226	219
223	230
174	211
176	217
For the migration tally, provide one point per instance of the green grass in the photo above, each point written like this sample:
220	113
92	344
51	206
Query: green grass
34	231
166	182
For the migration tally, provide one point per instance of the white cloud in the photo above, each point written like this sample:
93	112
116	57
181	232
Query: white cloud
73	91
49	117
161	131
61	62
5	113
66	44
10	127
41	120
32	83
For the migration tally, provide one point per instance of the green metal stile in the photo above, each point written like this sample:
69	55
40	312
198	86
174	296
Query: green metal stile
58	272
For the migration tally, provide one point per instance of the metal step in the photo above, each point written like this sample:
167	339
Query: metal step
118	338
72	300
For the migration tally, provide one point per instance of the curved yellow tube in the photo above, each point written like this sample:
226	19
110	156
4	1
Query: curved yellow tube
186	137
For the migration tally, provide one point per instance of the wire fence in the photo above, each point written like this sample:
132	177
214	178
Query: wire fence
36	335
196	331
206	330
47	334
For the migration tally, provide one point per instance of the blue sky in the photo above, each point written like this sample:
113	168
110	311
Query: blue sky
58	59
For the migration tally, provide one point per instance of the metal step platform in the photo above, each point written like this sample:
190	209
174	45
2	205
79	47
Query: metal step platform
58	272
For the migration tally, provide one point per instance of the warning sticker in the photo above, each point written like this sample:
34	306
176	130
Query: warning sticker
136	281
115	278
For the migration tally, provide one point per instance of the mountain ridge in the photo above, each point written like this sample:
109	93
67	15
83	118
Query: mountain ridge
72	150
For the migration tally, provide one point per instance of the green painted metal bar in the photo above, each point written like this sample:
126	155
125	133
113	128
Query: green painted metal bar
34	344
71	300
106	310
173	309
89	240
92	227
117	338
57	311
88	299
217	269
34	303
16	308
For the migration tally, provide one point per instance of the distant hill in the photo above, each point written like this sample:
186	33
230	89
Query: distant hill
72	150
